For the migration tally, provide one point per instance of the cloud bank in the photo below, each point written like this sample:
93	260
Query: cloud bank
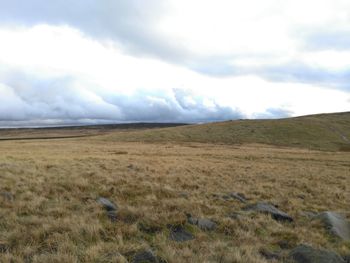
66	100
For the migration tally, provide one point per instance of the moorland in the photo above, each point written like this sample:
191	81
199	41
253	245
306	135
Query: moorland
174	194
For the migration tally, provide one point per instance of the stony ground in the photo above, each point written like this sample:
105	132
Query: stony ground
50	209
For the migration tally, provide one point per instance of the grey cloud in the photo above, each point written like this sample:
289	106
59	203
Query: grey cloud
131	23
27	99
292	71
301	73
179	105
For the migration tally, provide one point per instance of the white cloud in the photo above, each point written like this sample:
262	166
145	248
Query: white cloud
178	61
227	27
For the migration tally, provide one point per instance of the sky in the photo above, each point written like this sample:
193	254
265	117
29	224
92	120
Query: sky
110	61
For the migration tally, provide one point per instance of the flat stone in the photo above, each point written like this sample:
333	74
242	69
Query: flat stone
233	195
107	204
238	196
307	254
202	223
337	224
145	256
179	234
269	209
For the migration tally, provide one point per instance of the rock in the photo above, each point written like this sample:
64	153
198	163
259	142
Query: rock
307	254
235	215
108	205
145	256
336	224
269	254
112	215
285	244
179	234
7	196
233	195
269	209
206	224
238	196
4	248
202	223
347	259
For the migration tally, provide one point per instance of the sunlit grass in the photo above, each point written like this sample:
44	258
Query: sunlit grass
54	216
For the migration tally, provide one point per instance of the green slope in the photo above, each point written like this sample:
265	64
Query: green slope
319	132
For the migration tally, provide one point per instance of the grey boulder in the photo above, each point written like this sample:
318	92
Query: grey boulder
337	224
110	207
269	209
238	196
307	254
234	195
145	256
107	204
179	234
202	223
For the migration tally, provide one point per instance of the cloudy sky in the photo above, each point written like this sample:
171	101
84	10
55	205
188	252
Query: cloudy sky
98	61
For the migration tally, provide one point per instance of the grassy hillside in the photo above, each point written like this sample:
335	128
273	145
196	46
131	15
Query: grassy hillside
319	132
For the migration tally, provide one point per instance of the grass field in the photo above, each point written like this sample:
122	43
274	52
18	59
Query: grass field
329	132
49	212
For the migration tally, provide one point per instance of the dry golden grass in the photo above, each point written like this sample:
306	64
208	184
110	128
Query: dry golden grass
54	216
326	132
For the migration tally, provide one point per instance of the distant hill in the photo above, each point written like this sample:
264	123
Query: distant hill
318	132
66	132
